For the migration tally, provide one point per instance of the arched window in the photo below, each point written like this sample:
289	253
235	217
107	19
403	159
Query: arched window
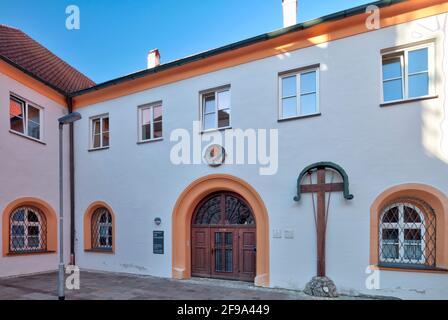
407	234
28	230
102	229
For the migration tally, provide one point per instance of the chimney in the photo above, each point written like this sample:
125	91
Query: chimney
153	58
289	12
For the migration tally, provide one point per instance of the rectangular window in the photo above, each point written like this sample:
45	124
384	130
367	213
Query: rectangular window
150	122
408	73
99	132
215	109
25	118
299	94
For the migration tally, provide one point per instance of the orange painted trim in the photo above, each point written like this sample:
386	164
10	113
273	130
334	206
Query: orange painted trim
50	216
322	33
32	83
88	227
183	212
434	197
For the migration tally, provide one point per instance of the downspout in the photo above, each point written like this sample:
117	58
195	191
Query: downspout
72	183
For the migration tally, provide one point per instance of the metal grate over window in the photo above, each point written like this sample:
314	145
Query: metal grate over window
28	230
102	230
408	234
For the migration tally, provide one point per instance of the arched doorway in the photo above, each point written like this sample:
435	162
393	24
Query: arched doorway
182	217
223	238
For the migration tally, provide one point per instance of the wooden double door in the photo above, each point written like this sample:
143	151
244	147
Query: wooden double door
223	238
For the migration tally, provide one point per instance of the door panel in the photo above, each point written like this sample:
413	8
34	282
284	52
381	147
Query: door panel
248	254
200	265
225	253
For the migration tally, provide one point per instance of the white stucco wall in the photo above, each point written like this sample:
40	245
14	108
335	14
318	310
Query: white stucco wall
31	169
378	147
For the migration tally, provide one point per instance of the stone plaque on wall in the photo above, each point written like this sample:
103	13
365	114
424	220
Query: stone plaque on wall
157	242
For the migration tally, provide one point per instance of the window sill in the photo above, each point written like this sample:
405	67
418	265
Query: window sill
27	137
392	103
411	269
28	253
98	149
149	141
100	251
300	117
215	130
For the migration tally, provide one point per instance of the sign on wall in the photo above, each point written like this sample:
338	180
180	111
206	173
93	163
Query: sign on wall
157	242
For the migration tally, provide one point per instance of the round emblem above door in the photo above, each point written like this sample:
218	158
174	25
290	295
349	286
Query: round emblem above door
215	155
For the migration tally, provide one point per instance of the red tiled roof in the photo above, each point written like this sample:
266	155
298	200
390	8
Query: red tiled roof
28	54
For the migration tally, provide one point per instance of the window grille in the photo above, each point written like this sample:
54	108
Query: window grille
408	234
28	230
102	230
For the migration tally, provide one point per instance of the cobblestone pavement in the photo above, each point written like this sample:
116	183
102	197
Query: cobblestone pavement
112	286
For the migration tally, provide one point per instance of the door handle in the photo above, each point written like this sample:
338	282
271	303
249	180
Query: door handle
255	249
213	250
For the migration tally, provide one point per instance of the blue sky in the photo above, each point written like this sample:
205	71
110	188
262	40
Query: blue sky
116	35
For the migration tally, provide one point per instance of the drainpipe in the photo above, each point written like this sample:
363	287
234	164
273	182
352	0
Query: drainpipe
72	183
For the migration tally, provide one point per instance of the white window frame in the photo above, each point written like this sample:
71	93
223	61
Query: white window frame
403	53
92	134
298	94
25	224
151	107
215	91
26	104
401	226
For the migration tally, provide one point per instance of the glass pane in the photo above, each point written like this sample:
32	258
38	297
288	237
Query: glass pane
106	139
17	230
146	132
224	100
217	239
228	236
32	217
33	114
157	113
411	215
390	234
418	85
229	260
96	141
33	242
391	216
418	60
393	90
223	118
412	234
158	130
18	242
146	116
392	68
105	124
289	86
308	82
16	124
389	250
413	251
19	215
96	126
289	107
209	103
33	230
34	130
209	121
308	104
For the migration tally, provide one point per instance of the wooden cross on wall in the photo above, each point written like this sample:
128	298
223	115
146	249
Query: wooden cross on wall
321	188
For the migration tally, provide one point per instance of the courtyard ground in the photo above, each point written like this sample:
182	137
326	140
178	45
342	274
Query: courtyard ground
112	286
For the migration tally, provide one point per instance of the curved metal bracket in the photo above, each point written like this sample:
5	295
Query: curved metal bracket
325	165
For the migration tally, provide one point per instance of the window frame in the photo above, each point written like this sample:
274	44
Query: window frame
215	91
101	134
140	110
97	224
297	73
26	104
41	224
403	52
